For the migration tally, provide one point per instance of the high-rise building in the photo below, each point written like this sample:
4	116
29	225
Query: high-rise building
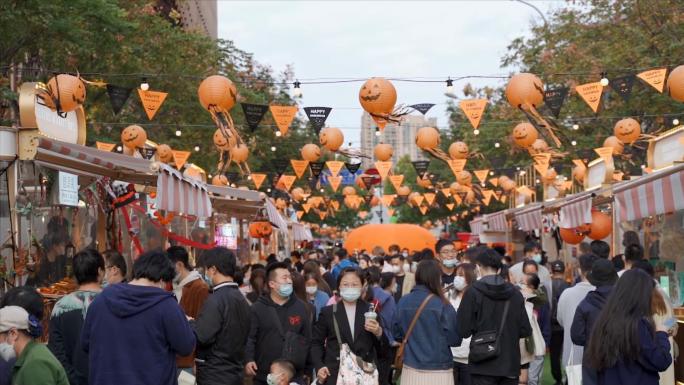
402	137
199	15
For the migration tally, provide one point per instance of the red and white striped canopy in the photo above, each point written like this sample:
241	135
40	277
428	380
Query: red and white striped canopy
529	218
496	221
658	196
576	211
181	195
476	226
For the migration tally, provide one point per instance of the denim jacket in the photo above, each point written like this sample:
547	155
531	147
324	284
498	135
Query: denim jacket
429	346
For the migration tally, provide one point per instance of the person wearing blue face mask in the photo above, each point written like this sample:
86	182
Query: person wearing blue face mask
446	254
279	322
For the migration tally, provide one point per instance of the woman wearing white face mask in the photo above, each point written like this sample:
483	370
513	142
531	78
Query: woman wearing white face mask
466	274
317	297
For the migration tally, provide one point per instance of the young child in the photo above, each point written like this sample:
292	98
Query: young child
282	372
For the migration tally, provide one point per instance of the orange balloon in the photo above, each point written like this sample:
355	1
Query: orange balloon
331	138
311	152
578	173
133	137
348	190
571	236
239	153
222	142
403	191
538	147
615	143
383	152
627	130
64	91
464	178
217	91
164	153
458	150
297	194
412	237
427	138
378	96
675	84
525	89
219	180
524	135
601	225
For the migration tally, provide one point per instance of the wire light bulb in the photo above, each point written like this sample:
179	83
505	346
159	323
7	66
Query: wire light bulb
119	148
497	144
449	86
197	148
377	131
575	127
491	173
604	81
278	133
476	132
537	181
144	85
297	92
178	133
249	177
522	172
322	190
210	176
268	190
675	121
574	143
273	148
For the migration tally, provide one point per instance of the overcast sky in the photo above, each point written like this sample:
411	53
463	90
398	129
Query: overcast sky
354	39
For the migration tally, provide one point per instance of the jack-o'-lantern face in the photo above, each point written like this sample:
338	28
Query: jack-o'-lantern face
260	229
223	143
464	178
378	96
524	135
331	138
311	152
164	153
133	137
627	130
458	150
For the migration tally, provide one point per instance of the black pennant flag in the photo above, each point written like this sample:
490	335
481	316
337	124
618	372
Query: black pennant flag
280	165
367	181
352	167
554	99
118	97
423	108
367	198
317	116
421	167
147	153
316	168
313	182
623	86
253	114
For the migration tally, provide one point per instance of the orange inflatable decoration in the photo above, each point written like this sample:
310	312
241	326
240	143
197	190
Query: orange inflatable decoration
311	152
458	150
217	91
412	237
615	143
675	84
427	138
164	153
571	236
260	229
403	191
222	142
239	153
383	152
331	138
601	225
348	190
627	130
133	137
377	97
525	89
219	180
524	135
63	93
297	193
464	178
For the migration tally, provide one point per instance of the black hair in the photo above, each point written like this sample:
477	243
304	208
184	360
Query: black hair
394	256
503	273
532	281
644	265
489	258
341	254
257	280
295	253
223	260
287	365
615	335
600	249
630	238
586	261
87	265
379	260
634	252
530	263
179	254
468	272
500	249
27	298
508	259
155	266
351	270
394	247
115	259
529	246
441	243
618	262
386	279
373	274
427	254
271	258
472	253
429	274
270	269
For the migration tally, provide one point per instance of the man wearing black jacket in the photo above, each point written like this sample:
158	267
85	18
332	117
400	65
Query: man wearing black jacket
277	317
482	309
222	325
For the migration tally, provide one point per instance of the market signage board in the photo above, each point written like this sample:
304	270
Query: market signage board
666	149
599	172
68	189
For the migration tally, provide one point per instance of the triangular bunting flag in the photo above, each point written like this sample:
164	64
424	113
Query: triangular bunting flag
322	214
387	199
524	190
554	99
423	209
450	206
421	166
118	97
367	181
317	117
604	152
429	197
352	167
316	168
335	182
654	78
494	181
147	152
623	86
299	166
306	207
335	204
288	180
543	158
481	175
103	146
396	181
579	163
487	196
591	94
383	168
390	212
283	116
457	165
334	166
151	101
541	168
422	107
458	199
180	157
473	110
258	179
300	213
253	114
446	192
419	199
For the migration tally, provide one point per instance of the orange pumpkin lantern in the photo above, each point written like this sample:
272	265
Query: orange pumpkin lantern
627	130
403	191
348	190
222	142
464	178
218	92
260	229
378	96
571	236
455	188
239	153
164	153
675	84
424	182
524	135
413	198
427	138
383	152
331	138
133	137
601	225
297	194
525	89
63	93
578	173
458	150
311	152
539	147
615	143
219	180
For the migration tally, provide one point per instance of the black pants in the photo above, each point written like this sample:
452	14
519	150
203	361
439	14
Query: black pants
385	368
461	374
556	350
491	380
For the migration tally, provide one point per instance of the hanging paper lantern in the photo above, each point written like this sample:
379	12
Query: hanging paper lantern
539	147
455	188
311	152
403	191
331	138
133	137
578	173
412	198
571	236
525	89
524	135
63	93
218	92
297	194
164	153
458	150
219	180
470	196
383	152
627	130
239	153
260	229
464	178
378	96
348	190
222	142
427	138
615	143
550	176
601	225
675	84
195	172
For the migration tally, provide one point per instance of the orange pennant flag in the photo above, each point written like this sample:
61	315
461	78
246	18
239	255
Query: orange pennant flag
283	116
288	180
541	168
322	214
390	212
473	110
396	180
335	182
543	158
524	190
481	175
306	207
450	206
446	191
258	179
334	166
387	199
457	165
299	166
383	168
335	204
423	209
567	184
579	163
591	94
180	157
300	213
429	197
604	152
654	78
494	181
151	101
315	201
102	146
487	196
418	200
458	199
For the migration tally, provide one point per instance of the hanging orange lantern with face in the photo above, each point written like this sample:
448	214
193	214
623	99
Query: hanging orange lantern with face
601	225
615	143
427	138
260	229
627	130
525	89
63	93
331	138
311	152
219	180
464	178
348	190
222	142
571	236
297	194
550	176
217	92
578	173
133	137
164	153
239	153
459	150
383	152
675	84
524	135
378	97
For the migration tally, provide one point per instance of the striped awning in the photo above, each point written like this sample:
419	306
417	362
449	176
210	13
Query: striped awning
476	226
576	211
529	218
660	195
496	221
178	194
274	216
300	232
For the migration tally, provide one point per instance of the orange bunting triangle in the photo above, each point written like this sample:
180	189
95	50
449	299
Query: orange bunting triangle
299	166
481	175
446	192
322	214
283	116
458	199
258	179
300	213
423	209
315	201
383	168
503	199
450	206
604	152
387	199
579	163
102	146
335	182
180	157
396	180
335	205
151	101
591	94
429	198
457	165
306	207
390	212
487	196
334	166
654	78
419	199
288	180
541	168
473	110
494	181
542	159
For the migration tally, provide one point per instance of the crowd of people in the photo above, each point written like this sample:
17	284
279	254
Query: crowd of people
448	317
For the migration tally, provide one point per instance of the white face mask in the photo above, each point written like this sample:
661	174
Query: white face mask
405	254
459	283
311	290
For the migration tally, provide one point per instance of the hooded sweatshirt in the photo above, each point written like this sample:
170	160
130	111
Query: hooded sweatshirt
481	310
133	334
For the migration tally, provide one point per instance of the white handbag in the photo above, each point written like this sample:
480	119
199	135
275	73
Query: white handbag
353	370
573	371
